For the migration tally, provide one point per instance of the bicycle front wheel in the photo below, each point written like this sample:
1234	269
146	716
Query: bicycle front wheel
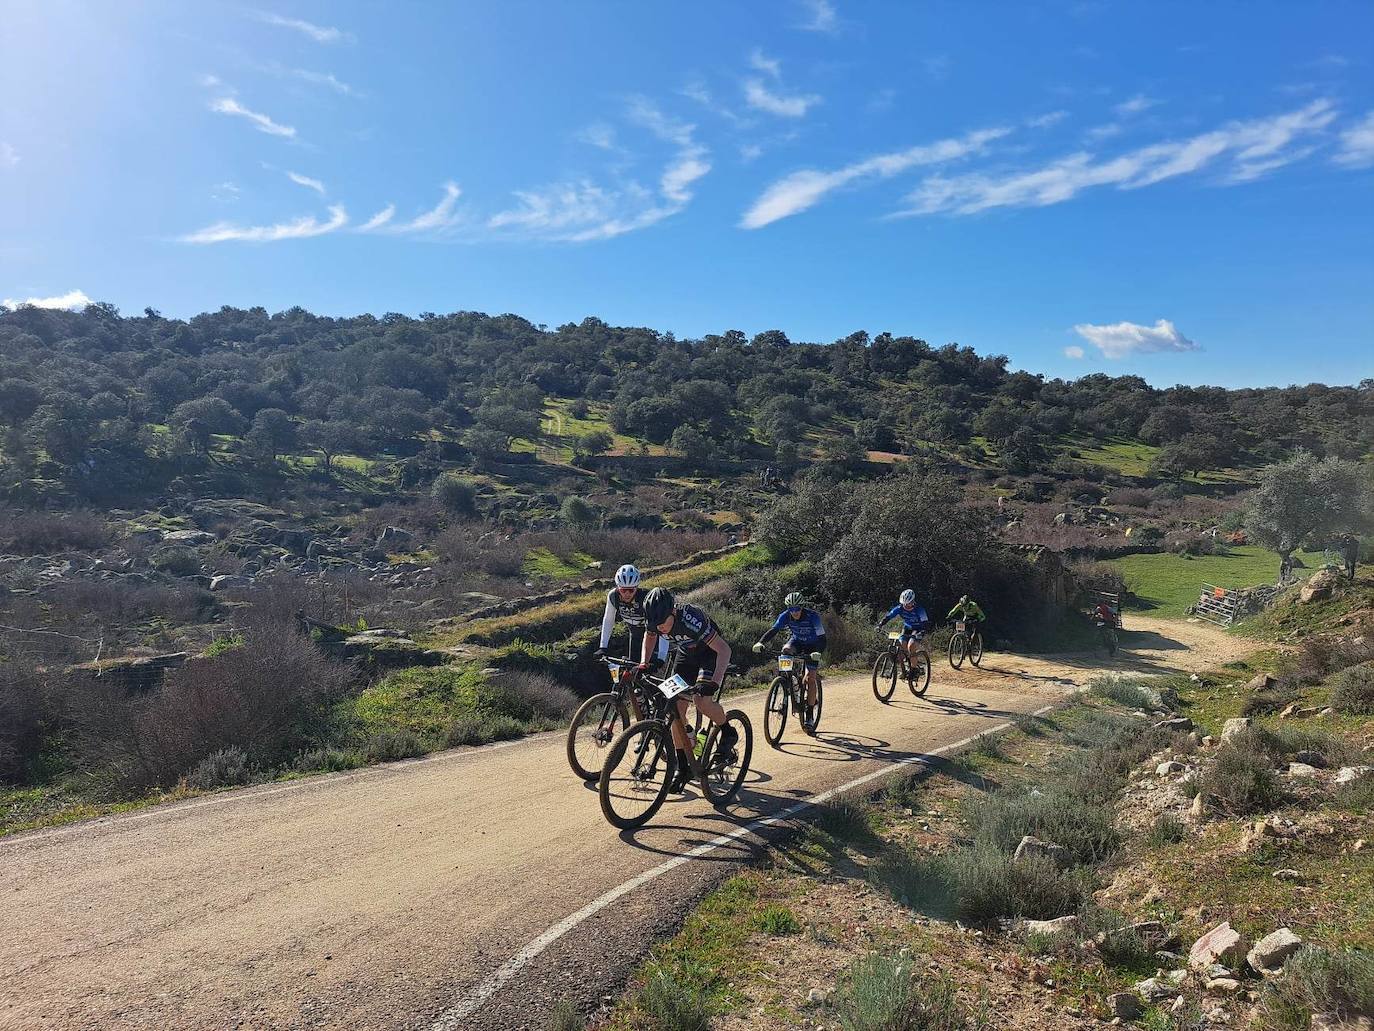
635	776
595	725
775	710
920	674
884	676
957	647
723	774
816	709
975	649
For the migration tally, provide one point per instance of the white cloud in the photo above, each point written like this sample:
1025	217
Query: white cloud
1135	105
1075	352
750	151
307	182
822	16
378	220
761	62
801	190
72	300
319	33
1046	120
1357	144
583	210
9	157
761	98
230	106
1122	339
599	135
324	79
226	192
1098	133
442	216
1252	148
296	229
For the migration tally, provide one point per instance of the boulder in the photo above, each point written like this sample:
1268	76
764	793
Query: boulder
228	581
1272	951
189	538
1057	926
1032	846
1353	774
1221	944
1263	682
1223	986
1180	724
1310	758
1170	768
1233	727
1301	770
1126	1005
1154	989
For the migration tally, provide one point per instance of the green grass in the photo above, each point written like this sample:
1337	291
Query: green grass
1168	583
1134	458
541	562
421	701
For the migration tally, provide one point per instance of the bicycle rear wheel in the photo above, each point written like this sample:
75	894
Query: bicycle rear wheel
957	647
775	710
596	724
920	674
635	776
722	777
975	649
884	676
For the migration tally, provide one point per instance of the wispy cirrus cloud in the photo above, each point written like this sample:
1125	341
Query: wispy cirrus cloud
297	229
1357	144
72	300
770	99
599	135
442	216
307	182
226	192
1046	120
583	210
326	79
9	157
1135	105
319	33
264	123
794	193
1075	352
1248	150
820	16
1122	339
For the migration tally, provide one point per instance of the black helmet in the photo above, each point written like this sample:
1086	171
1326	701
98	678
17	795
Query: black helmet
658	603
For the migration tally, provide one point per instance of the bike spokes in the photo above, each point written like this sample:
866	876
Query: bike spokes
884	676
596	724
775	710
724	768
918	678
634	779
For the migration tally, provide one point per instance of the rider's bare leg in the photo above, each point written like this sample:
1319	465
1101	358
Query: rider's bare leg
812	676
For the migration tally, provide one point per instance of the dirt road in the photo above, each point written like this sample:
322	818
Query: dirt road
464	890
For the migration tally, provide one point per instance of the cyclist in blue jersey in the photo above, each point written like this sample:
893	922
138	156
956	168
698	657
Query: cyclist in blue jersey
806	637
915	622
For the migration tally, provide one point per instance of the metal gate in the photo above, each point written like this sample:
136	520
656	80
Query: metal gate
1218	605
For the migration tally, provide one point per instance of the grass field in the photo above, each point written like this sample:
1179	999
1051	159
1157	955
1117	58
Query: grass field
1133	458
1169	583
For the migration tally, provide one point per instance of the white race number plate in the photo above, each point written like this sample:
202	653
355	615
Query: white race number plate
674	686
785	662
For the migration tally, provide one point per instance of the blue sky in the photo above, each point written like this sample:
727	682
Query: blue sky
1184	191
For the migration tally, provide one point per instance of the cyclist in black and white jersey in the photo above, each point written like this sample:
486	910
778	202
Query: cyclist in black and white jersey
690	632
625	602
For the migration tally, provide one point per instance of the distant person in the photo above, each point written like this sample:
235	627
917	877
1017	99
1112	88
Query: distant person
1350	551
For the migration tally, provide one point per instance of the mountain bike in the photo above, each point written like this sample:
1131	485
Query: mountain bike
788	691
966	641
642	760
893	662
599	719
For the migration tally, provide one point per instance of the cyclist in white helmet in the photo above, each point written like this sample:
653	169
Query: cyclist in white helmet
914	622
625	601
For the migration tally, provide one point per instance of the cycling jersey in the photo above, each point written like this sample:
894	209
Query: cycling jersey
913	618
804	630
692	629
966	610
631	613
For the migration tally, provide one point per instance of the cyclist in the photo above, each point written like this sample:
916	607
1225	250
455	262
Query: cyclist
806	638
969	611
689	632
625	601
1103	613
915	623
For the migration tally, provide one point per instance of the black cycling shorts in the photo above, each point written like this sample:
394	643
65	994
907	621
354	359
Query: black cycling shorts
804	649
692	665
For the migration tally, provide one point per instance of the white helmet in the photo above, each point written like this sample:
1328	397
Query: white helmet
627	576
908	597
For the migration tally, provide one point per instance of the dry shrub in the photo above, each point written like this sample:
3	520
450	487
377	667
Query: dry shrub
268	698
1352	691
110	604
424	516
22	713
28	532
529	697
1098	576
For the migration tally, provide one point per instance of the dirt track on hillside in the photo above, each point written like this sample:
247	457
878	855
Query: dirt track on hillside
389	897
